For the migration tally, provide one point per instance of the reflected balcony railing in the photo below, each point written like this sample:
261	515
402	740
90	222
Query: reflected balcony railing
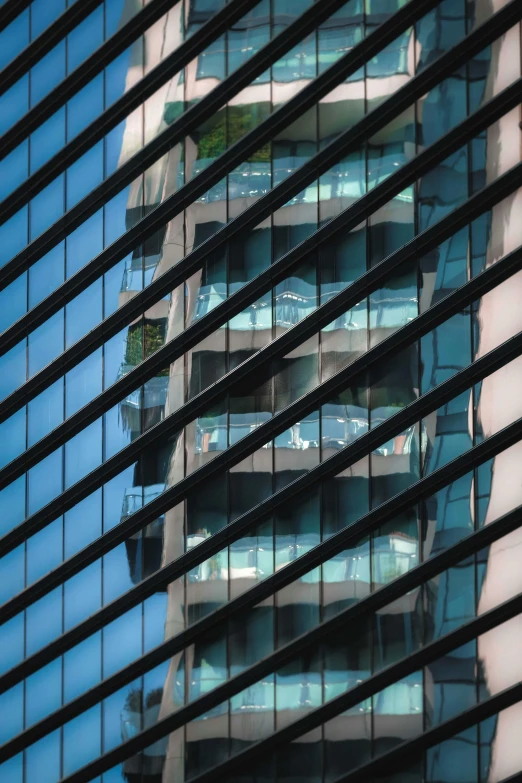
297	691
152	395
393	311
138	273
337	432
137	497
392	556
290	306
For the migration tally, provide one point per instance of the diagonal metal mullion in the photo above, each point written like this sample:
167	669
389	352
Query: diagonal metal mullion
46	41
252	441
407	335
424	323
10	10
369	687
352	216
249	292
238	608
235	154
324	315
349	455
118	111
403	753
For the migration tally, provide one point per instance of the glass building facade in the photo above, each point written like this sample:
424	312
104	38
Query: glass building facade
260	409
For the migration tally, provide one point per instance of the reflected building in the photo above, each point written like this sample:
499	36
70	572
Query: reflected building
410	707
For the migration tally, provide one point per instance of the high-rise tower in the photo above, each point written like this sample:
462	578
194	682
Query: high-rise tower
260	391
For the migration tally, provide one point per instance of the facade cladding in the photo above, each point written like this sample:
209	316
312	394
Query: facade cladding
260	407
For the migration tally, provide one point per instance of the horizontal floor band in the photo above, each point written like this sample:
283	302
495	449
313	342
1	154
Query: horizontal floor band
121	108
349	455
47	40
261	360
315	718
249	292
190	120
238	607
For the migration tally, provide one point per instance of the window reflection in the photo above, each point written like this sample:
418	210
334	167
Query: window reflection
446	602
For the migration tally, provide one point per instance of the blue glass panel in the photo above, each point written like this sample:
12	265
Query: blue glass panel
14	169
12	505
47	207
84	175
84	243
14	38
116	74
83	523
47	73
12	369
85	106
13	235
47	140
12	568
43	692
122	641
11	643
83	453
82	740
83	383
45	412
116	576
117	715
82	667
85	38
113	353
155	614
12	437
45	481
42	760
44	551
116	216
82	595
113	15
43	621
113	492
13	770
46	275
13	302
113	147
116	434
45	343
83	313
12	705
43	12
14	103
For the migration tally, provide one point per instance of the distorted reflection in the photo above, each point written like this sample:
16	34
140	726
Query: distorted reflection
422	699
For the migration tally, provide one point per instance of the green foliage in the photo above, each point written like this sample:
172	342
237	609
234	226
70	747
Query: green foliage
239	120
134	700
134	346
154	697
142	344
